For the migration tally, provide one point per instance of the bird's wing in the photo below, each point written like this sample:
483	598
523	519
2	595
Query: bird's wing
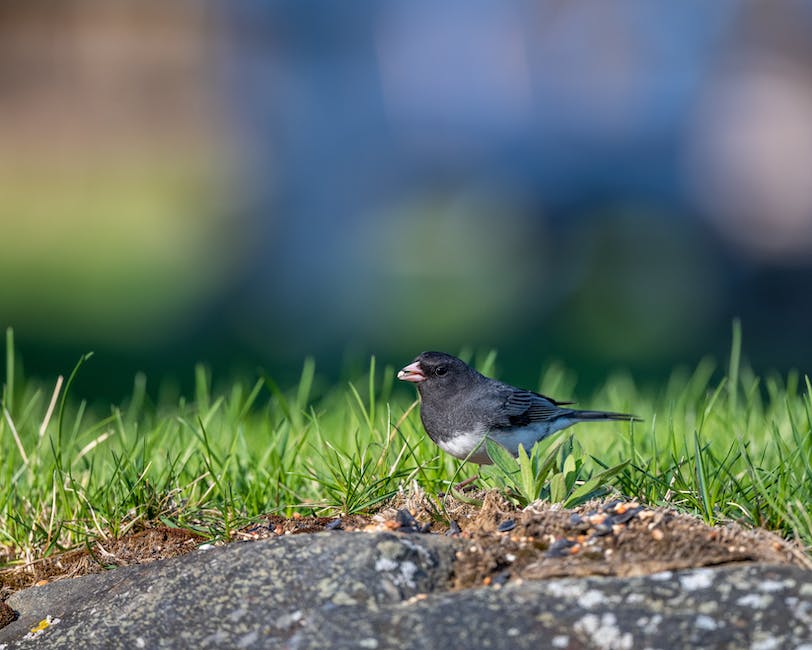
523	407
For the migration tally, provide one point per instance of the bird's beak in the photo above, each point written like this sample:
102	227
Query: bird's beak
412	373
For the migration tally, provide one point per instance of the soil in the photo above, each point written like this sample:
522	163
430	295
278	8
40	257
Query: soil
498	541
136	548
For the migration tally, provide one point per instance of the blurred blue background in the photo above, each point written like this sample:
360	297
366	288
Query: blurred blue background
248	182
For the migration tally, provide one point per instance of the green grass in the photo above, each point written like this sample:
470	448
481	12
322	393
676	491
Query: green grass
726	447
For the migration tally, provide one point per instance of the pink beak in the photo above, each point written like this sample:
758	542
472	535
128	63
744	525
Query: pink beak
412	373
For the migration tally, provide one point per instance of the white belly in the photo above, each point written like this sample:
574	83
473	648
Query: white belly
463	443
470	445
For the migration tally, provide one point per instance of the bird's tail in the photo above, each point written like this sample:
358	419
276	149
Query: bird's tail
604	415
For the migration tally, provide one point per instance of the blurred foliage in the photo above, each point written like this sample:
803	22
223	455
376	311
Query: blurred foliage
250	183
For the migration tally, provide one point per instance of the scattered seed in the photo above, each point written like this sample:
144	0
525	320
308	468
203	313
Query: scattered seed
657	534
487	580
500	578
575	549
626	515
602	529
297	515
597	519
405	519
505	526
560	548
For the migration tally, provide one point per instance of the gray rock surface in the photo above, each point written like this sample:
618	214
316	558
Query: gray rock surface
386	590
760	607
253	594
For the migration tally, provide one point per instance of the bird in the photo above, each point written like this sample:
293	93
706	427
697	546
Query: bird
459	407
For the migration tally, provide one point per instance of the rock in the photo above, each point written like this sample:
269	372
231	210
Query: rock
754	606
254	594
387	590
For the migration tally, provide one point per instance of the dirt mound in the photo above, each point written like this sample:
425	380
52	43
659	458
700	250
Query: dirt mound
604	538
498	541
613	538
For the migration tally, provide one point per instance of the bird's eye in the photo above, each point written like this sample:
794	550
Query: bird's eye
440	371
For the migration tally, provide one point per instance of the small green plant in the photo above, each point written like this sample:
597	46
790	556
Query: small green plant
554	472
358	480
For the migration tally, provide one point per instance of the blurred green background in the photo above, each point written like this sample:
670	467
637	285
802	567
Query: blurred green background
247	183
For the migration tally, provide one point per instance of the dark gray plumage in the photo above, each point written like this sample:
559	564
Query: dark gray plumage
459	406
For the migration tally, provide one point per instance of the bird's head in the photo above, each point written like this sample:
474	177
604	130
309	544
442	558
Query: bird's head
436	369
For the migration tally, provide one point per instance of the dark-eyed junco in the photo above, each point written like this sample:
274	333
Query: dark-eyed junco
459	407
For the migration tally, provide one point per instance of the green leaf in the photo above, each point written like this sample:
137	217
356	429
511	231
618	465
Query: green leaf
549	460
529	491
558	488
735	363
569	471
502	458
584	492
702	480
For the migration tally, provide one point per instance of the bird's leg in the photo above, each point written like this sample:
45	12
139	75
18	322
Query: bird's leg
463	484
460	496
